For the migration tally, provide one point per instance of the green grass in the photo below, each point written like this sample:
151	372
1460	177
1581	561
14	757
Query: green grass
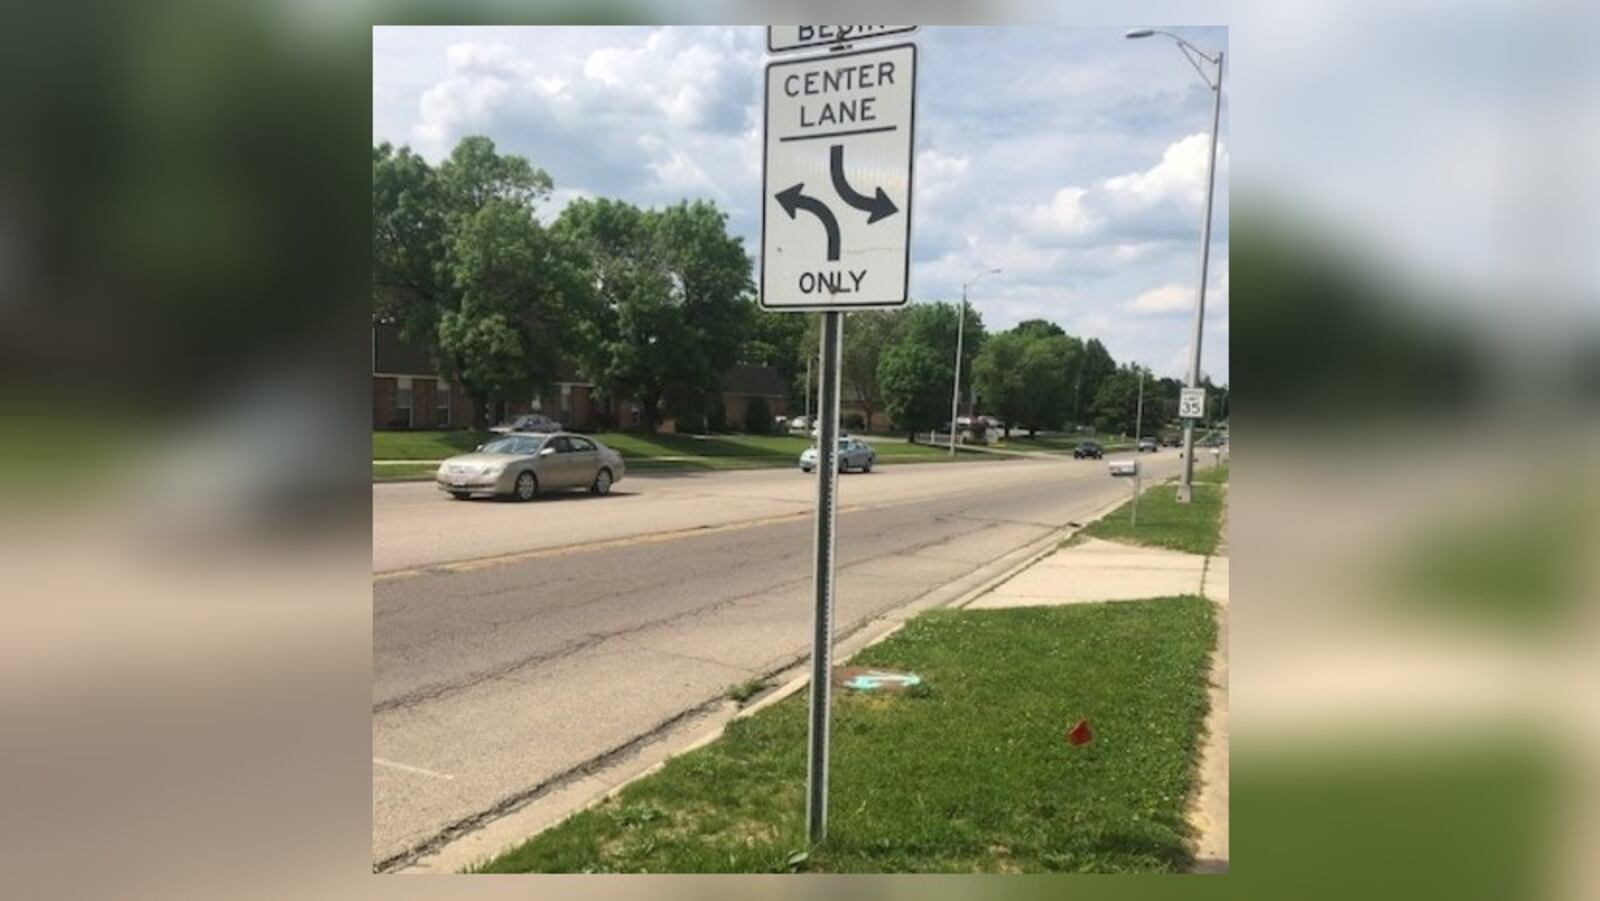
650	452
973	775
402	472
1163	522
745	690
424	445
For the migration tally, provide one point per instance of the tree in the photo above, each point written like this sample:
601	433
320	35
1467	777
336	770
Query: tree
1095	366
1045	367
521	302
998	377
410	281
673	289
776	340
867	334
1038	328
450	249
914	379
758	417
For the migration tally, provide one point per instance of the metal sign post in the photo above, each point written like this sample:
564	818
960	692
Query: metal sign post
835	236
822	622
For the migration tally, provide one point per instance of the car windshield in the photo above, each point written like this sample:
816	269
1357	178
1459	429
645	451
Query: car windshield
508	445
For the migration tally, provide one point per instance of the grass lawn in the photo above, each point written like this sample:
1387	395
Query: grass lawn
971	775
1163	522
399	472
648	452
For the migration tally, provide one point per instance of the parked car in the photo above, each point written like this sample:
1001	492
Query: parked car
521	465
1172	439
853	454
1147	445
1215	439
1088	450
800	423
528	422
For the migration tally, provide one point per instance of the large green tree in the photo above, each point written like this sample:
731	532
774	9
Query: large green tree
998	377
522	299
867	335
673	289
1046	367
1094	366
462	265
915	380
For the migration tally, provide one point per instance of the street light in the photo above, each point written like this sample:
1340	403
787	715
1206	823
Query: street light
1195	55
961	326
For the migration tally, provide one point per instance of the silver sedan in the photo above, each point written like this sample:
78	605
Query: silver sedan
522	465
853	454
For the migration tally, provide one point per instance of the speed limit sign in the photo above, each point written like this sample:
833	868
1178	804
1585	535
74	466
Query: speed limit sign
1192	403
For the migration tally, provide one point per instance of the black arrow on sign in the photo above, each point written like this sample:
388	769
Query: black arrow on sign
880	206
793	200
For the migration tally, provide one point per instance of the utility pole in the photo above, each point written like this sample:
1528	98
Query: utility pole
1138	417
1191	52
961	323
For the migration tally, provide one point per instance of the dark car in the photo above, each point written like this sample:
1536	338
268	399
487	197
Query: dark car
1212	440
1088	450
1147	445
528	422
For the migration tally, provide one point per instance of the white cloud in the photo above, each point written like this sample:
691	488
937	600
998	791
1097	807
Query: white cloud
1180	176
1170	298
1066	214
939	175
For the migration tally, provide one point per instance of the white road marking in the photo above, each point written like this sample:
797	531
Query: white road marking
411	769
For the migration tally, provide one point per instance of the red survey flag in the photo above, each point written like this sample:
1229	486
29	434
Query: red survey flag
1080	734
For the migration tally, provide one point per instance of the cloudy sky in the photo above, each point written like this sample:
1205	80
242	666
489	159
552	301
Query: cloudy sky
1069	157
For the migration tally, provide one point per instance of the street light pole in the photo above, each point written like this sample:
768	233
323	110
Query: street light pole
961	327
1190	51
1138	416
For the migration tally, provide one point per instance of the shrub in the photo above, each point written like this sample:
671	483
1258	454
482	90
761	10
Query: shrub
854	420
758	417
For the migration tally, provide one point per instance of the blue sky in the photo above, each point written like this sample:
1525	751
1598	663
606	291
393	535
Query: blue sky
1069	157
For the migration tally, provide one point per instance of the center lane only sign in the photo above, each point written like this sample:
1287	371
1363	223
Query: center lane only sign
836	212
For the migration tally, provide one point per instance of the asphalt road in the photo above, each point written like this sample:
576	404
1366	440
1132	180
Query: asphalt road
513	642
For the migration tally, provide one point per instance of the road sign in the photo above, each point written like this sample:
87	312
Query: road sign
1192	403
794	37
836	212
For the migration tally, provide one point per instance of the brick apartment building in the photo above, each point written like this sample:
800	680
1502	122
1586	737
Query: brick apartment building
409	393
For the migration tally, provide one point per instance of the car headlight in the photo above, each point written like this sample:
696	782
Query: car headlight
491	469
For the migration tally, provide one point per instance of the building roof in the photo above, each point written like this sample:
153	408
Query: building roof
755	380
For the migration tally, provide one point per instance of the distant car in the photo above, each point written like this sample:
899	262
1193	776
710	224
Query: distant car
1147	445
1172	440
522	465
1212	440
853	454
800	423
1089	450
528	422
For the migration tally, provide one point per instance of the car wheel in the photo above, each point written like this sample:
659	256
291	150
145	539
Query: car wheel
460	495
867	467
602	482
527	486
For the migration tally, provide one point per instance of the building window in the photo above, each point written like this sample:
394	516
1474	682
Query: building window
441	403
402	400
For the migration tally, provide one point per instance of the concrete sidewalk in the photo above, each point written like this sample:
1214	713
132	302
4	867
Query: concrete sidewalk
1095	571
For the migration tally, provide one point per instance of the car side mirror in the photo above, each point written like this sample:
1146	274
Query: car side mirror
546	451
478	448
